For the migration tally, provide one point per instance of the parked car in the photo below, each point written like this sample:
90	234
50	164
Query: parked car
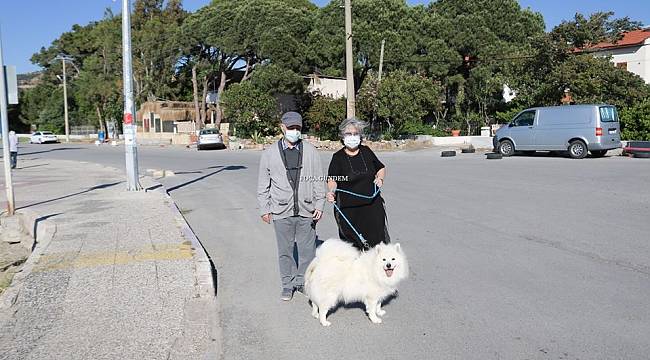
578	129
210	138
42	137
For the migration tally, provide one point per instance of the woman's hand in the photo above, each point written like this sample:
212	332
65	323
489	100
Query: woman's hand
330	196
379	182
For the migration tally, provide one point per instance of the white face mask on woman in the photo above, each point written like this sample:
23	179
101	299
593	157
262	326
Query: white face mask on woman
292	136
352	141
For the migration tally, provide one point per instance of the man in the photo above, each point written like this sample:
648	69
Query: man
13	148
291	193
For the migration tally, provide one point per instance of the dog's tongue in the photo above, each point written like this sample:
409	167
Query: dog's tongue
389	272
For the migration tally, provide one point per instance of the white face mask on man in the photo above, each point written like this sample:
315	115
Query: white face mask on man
292	136
352	141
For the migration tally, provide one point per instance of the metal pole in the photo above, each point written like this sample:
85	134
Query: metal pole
65	103
349	64
131	147
381	66
381	59
4	118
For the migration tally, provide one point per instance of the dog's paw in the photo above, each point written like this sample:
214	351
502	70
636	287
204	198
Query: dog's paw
381	312
325	323
375	320
314	314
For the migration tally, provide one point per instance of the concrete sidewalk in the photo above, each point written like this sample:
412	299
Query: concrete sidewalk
119	278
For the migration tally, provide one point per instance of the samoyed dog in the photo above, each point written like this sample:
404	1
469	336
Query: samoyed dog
341	273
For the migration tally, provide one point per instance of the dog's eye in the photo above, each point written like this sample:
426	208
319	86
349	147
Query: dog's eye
393	259
384	259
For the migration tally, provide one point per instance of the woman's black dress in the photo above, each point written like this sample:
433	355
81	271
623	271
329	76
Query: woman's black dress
357	174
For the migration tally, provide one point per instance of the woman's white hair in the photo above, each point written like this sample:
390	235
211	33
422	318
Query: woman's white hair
358	124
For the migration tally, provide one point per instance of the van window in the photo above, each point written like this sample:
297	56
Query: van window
525	119
608	114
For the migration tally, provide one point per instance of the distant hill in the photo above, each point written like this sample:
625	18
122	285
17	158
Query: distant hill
29	80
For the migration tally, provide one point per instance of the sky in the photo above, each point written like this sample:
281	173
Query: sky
28	25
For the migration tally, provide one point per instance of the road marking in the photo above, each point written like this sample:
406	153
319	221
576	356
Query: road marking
69	260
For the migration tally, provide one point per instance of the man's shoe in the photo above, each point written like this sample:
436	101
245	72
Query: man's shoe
301	289
287	294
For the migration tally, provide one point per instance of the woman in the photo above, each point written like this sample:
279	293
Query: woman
356	168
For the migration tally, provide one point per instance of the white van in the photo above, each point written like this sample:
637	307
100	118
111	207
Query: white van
578	129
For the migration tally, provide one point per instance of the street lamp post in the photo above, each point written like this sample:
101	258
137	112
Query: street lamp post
131	148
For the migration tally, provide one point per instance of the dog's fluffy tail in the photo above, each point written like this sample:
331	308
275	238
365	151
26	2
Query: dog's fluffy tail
332	248
338	249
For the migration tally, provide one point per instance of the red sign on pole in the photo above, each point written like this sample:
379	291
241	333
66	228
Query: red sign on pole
128	119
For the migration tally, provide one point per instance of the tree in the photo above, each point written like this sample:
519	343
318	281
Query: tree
373	21
402	101
635	121
324	117
584	32
228	36
155	47
251	110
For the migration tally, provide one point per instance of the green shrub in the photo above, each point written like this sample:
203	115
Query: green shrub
635	122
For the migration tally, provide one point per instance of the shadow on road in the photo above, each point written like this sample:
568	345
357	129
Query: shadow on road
31	166
96	187
50	150
220	169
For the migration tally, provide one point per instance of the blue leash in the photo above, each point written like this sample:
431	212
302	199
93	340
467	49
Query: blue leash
363	240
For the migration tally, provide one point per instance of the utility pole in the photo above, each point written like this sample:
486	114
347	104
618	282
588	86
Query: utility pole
349	64
4	126
131	147
381	66
63	59
65	103
381	59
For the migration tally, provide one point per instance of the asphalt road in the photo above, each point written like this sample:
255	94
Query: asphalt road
522	258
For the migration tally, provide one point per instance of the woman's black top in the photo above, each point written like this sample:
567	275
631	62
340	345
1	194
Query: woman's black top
357	173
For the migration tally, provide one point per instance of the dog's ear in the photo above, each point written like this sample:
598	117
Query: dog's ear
398	247
378	248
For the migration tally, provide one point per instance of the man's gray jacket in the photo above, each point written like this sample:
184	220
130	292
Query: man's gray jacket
274	192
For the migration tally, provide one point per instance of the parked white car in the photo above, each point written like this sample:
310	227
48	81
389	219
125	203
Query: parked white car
42	137
210	138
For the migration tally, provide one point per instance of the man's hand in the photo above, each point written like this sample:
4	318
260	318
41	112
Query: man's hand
266	218
317	214
330	196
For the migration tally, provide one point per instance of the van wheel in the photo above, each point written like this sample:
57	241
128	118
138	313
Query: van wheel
598	153
578	149
506	148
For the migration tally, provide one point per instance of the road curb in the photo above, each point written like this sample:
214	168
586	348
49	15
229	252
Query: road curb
205	286
41	231
204	270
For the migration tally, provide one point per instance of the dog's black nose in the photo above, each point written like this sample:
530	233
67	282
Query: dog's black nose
388	266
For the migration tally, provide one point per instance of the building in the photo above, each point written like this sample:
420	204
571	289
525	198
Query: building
631	53
326	86
166	117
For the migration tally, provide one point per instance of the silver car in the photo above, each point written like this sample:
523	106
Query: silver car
210	138
578	129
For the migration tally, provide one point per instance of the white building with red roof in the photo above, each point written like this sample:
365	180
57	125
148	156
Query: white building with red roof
632	52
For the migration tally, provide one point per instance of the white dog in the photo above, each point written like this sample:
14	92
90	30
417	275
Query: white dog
340	272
